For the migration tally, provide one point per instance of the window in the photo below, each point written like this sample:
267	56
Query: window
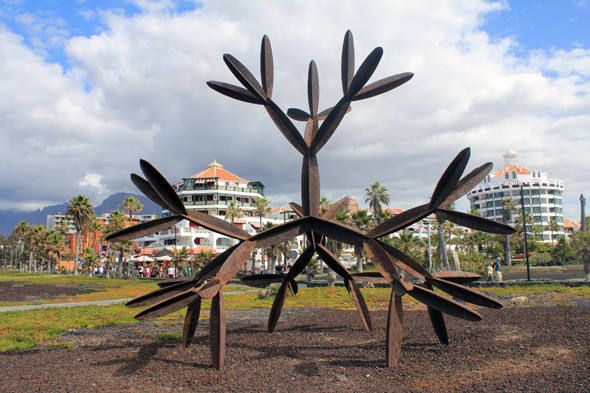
514	174
490	204
534	175
507	176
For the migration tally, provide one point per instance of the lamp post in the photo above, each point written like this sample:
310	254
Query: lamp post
429	254
286	241
526	252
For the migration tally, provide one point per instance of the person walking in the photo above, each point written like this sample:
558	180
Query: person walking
497	270
489	271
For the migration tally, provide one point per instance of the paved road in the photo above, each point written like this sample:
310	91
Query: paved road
97	303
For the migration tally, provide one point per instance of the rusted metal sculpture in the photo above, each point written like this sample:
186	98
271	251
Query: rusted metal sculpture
175	295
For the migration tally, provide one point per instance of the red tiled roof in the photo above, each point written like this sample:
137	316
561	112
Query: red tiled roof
279	209
567	223
511	168
394	210
216	170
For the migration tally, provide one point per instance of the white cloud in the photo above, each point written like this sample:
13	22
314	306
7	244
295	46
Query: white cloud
137	90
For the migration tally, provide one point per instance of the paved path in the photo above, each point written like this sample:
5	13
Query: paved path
97	303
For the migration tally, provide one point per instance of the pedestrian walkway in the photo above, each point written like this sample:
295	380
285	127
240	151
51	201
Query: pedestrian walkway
97	303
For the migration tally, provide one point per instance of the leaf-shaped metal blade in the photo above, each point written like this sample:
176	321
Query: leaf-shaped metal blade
361	305
313	89
457	277
217	225
405	262
332	261
334	209
145	229
475	222
298	114
443	304
364	73
286	127
191	320
347	62
262	279
161	294
147	190
466	294
297	209
229	269
162	187
337	231
373	277
277	306
437	320
168	306
400	221
468	182
293	287
383	86
395	330
324	114
267	70
329	125
301	263
235	92
448	181
213	267
174	281
281	233
217	331
244	76
310	185
381	260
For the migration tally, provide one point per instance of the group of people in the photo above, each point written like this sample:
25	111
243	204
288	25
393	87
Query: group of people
279	269
147	272
494	271
101	271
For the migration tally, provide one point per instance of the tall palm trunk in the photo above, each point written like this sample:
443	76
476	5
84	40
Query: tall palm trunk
507	251
359	258
76	254
442	248
30	260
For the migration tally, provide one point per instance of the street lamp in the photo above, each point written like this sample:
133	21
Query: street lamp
526	252
429	252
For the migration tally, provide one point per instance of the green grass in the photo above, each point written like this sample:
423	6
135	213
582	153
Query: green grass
175	335
515	290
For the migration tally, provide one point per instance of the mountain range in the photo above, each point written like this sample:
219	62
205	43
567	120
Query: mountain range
9	219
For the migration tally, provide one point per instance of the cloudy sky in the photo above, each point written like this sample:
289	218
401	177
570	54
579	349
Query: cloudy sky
90	87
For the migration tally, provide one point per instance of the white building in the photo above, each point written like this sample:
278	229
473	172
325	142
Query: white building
210	191
542	195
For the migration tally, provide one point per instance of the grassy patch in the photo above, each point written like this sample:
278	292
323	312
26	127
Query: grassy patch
175	335
66	344
516	290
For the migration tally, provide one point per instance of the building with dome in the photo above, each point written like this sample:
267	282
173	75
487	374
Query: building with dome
210	191
542	195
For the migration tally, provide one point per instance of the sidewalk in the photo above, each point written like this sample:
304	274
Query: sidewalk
97	303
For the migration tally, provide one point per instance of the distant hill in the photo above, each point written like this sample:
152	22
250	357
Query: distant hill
9	219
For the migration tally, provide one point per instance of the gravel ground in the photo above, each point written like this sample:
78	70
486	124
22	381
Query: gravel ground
22	291
515	349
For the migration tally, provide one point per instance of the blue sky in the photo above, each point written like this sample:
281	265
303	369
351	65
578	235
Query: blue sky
89	87
45	24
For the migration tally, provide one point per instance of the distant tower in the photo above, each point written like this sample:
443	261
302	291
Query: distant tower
583	215
510	158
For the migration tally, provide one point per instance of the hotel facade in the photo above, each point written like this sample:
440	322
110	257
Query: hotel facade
542	195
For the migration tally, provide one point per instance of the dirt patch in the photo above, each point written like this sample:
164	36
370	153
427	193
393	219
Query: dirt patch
540	349
18	291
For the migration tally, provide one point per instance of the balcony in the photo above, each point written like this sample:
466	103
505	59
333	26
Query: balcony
204	187
201	203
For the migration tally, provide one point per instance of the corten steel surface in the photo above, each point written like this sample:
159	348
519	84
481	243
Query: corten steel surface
208	283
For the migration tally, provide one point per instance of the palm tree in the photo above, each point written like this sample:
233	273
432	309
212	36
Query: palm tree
131	204
116	223
407	243
21	232
376	195
360	219
233	211
83	212
508	206
553	227
203	259
474	212
122	248
442	248
54	247
179	257
261	207
325	204
90	259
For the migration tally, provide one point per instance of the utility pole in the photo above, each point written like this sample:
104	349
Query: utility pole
583	213
526	252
